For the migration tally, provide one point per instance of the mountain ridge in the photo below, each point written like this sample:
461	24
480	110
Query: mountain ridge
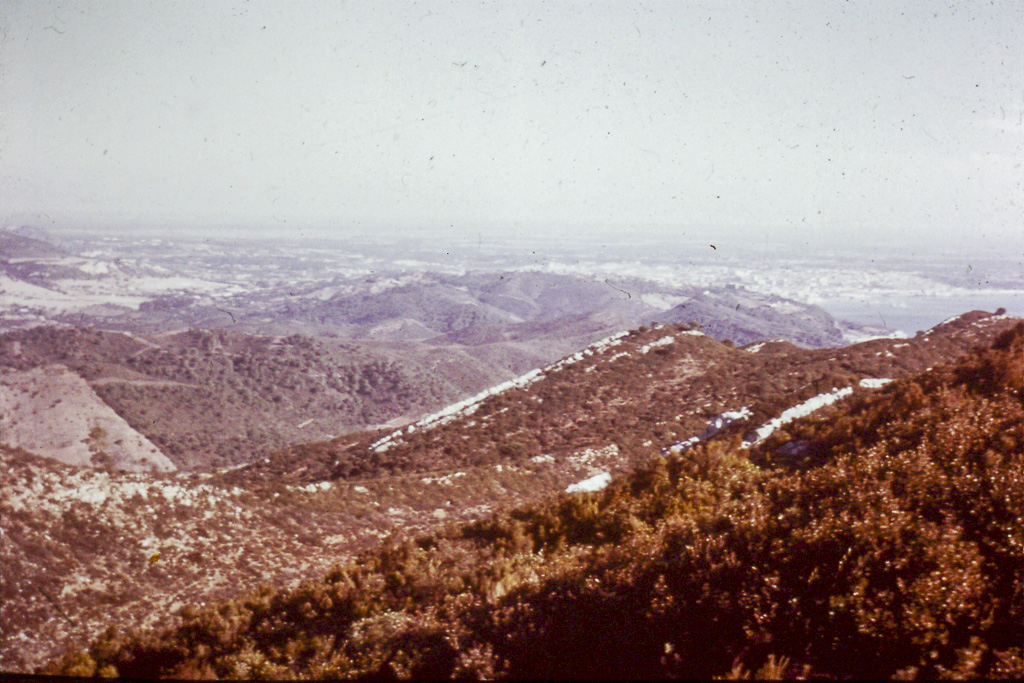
298	498
761	380
889	546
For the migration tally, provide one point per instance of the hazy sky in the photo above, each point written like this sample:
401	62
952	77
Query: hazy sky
857	120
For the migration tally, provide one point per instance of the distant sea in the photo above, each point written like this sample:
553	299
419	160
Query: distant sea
913	313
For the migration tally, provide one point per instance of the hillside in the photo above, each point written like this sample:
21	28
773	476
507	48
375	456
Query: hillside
879	537
221	398
506	308
732	313
82	548
591	416
51	411
16	246
641	392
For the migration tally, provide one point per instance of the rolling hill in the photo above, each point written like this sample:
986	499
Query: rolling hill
509	310
622	403
659	385
221	398
878	537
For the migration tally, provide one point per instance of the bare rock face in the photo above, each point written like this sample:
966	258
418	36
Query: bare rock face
54	412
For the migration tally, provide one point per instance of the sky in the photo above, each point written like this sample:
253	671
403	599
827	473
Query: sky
889	123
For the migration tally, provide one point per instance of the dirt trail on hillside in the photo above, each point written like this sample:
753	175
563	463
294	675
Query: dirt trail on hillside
141	382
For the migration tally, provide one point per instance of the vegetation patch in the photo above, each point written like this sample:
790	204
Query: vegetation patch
890	545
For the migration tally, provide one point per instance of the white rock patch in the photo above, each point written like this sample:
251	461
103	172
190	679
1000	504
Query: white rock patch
595	483
801	410
664	341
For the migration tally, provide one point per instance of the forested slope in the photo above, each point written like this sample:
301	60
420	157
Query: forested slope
880	537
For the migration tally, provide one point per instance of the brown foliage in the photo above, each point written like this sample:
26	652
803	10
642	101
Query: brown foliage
891	546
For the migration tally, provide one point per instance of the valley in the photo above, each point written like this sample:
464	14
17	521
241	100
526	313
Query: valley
220	359
181	429
302	510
